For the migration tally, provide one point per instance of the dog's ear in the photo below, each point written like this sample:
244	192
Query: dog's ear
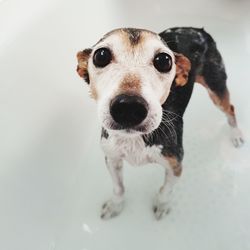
82	66
183	66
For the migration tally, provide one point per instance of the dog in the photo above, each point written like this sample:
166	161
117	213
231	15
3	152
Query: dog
142	82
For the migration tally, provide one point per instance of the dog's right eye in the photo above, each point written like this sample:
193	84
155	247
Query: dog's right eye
102	57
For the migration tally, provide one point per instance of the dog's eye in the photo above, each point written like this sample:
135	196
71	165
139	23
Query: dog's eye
102	57
163	62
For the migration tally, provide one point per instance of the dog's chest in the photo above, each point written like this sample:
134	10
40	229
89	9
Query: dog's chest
131	149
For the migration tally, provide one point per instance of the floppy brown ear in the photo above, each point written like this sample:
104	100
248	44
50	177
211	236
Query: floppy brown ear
82	67
183	66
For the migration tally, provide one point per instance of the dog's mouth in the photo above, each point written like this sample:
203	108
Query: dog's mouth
142	129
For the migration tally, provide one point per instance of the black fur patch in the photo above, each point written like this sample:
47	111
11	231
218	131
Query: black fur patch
169	137
87	51
104	134
200	48
86	75
134	35
86	78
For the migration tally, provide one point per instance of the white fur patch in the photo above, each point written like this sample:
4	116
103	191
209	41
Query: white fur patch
132	149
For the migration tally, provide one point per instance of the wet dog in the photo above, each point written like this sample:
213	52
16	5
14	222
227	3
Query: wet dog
142	83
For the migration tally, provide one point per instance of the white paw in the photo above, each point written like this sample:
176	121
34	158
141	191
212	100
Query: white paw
237	137
160	209
111	209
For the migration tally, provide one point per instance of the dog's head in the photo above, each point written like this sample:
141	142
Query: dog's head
130	72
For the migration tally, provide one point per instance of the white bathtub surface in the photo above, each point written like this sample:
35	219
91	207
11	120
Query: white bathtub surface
53	179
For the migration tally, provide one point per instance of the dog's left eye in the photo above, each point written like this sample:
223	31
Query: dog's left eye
163	62
102	57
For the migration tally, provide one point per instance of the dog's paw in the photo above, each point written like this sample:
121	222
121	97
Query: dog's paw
160	209
237	137
111	209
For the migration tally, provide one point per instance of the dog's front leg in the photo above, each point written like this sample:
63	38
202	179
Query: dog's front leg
114	206
173	169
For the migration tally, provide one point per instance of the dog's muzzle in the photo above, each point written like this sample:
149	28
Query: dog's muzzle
128	110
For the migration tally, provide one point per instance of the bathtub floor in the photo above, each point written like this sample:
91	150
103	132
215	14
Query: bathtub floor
53	179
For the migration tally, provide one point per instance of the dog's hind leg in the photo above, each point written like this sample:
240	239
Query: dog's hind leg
222	101
213	77
114	206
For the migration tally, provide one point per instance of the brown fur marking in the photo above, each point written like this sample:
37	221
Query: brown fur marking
130	83
93	92
183	67
82	70
222	102
175	165
82	67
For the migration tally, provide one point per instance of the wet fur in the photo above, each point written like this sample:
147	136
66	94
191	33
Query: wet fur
164	144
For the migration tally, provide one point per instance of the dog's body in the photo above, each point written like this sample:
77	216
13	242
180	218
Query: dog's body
143	130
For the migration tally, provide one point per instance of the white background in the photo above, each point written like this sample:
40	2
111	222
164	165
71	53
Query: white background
53	178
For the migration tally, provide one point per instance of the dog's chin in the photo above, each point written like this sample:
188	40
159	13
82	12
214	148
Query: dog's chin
127	132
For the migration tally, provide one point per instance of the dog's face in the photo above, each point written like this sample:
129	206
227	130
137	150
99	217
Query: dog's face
130	72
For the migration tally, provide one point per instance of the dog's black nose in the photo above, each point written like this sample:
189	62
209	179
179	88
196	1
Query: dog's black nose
128	110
